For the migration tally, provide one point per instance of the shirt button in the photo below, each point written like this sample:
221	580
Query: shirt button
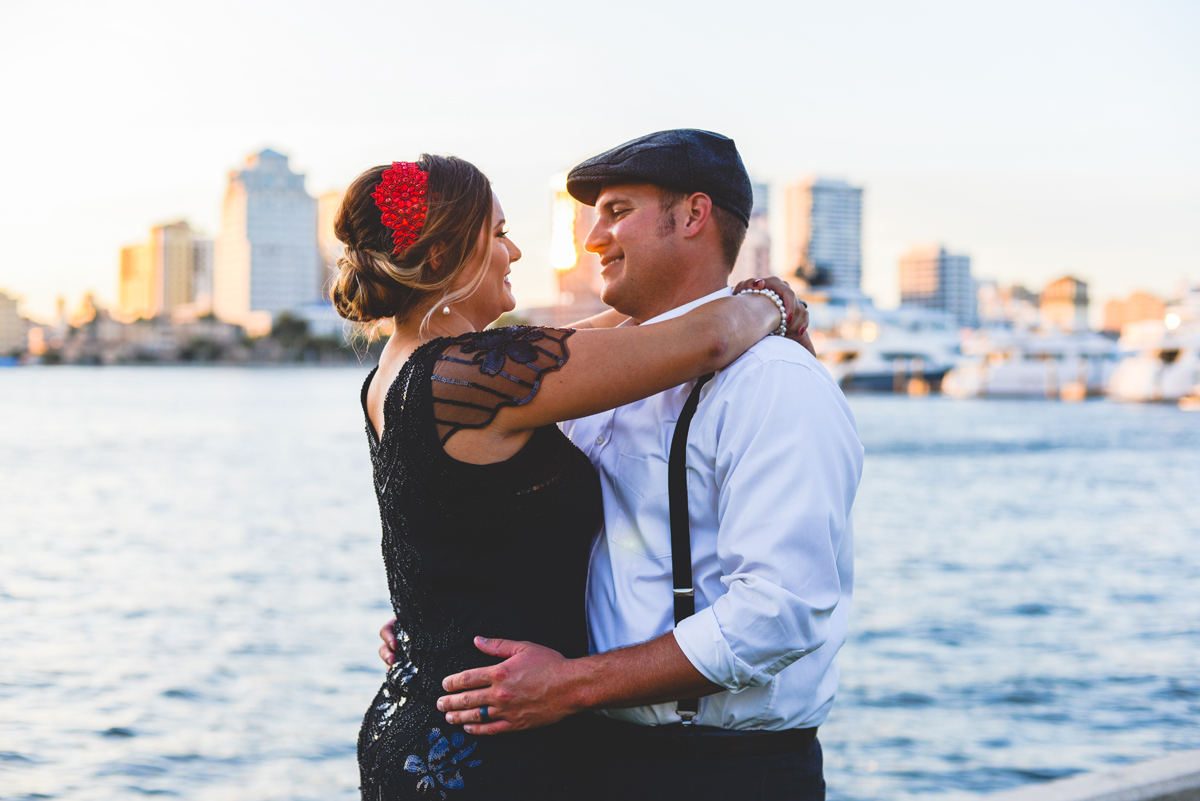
600	440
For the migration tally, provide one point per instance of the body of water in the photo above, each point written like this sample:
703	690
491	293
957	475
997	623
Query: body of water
190	586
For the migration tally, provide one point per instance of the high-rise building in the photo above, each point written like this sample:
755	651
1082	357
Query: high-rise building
266	259
823	232
12	327
172	250
136	295
202	281
754	260
934	279
164	273
1064	304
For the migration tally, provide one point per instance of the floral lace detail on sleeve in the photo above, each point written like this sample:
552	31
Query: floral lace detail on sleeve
478	374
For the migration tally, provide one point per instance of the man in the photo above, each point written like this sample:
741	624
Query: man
773	461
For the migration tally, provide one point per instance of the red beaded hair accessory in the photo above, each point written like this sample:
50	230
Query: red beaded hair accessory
400	197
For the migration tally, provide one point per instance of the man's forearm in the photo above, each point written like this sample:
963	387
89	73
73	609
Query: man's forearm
652	672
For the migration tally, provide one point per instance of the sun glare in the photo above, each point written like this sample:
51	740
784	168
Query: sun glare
563	255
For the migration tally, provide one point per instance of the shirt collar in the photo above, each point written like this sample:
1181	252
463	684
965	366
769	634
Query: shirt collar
723	292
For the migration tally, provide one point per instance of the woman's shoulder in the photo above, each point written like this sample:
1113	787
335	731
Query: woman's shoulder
474	375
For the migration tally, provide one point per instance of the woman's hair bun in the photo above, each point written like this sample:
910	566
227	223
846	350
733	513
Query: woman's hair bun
366	288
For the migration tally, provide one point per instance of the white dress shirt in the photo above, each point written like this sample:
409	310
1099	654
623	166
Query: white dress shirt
773	463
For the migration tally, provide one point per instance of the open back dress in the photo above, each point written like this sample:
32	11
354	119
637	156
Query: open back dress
497	550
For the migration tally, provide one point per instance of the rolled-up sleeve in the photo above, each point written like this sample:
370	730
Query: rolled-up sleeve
787	463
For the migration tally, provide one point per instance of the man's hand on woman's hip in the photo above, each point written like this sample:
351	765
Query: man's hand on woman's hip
529	689
533	686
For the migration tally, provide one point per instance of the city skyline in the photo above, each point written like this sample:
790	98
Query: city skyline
1049	140
794	228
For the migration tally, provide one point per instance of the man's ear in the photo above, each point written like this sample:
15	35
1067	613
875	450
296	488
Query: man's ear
697	209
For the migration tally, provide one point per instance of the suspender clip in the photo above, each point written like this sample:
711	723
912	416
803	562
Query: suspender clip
686	592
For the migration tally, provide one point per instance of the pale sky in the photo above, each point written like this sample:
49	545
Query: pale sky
1040	138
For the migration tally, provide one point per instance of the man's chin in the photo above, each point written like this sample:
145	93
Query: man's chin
625	303
611	294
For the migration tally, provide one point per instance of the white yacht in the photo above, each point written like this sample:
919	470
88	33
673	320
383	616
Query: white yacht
1031	364
1161	361
905	350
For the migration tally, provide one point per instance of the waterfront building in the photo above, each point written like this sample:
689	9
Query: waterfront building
163	274
12	327
96	337
136	293
754	260
1013	307
1064	304
990	304
172	252
202	281
86	311
1137	307
823	232
266	259
932	278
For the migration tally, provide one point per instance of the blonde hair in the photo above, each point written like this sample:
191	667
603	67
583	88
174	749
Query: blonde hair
372	284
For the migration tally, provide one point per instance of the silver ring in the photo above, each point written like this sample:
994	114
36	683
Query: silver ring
483	715
802	302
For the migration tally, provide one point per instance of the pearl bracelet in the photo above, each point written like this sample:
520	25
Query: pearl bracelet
778	301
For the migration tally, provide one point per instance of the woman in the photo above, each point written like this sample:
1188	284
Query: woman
488	510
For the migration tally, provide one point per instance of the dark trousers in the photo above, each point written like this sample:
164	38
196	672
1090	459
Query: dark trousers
698	774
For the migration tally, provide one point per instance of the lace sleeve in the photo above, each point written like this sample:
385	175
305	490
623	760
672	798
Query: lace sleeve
477	374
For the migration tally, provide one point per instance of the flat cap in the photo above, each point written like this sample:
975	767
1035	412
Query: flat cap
684	159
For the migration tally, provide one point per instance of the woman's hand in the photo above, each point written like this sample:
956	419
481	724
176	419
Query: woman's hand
797	310
387	651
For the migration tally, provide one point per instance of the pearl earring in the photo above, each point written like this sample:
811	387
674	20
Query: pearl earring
445	310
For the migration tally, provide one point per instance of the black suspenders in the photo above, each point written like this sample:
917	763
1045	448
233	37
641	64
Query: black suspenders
681	535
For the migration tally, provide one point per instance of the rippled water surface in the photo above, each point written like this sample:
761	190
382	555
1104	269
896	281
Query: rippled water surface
190	585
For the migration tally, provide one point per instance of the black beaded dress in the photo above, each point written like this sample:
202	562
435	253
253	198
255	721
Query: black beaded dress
498	550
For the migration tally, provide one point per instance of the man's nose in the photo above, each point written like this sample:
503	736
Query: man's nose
597	238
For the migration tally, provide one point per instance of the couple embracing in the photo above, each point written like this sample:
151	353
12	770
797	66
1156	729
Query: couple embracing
646	514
